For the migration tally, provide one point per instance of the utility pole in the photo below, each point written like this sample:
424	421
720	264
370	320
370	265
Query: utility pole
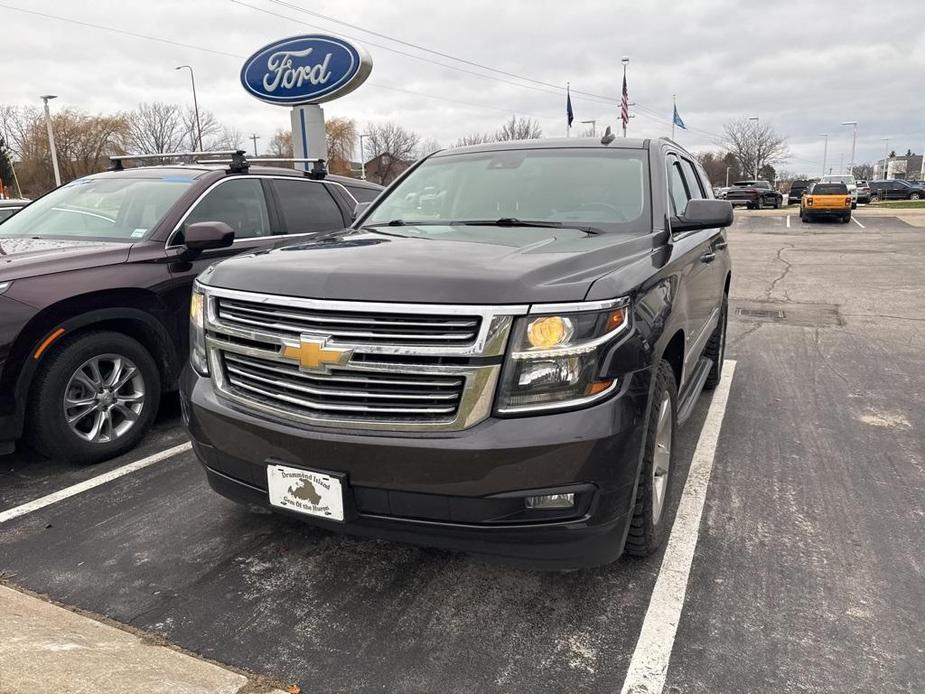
195	103
727	175
362	157
854	140
624	98
593	126
51	138
255	137
825	151
755	118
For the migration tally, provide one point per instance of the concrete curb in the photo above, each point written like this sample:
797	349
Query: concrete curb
44	647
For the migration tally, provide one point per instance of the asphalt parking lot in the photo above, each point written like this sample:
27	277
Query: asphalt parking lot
808	573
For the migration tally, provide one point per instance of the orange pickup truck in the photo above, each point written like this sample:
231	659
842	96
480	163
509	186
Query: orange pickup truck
826	200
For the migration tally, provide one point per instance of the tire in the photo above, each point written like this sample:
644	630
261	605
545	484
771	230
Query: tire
846	220
105	425
915	196
716	347
647	526
854	206
875	198
777	203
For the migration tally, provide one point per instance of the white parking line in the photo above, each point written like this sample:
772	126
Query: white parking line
649	665
788	221
90	483
855	220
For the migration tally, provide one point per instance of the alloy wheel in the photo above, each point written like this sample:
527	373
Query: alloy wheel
104	398
661	460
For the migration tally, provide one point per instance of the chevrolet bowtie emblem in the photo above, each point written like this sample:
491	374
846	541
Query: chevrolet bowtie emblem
314	355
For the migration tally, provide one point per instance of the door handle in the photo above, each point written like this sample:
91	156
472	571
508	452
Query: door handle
708	257
720	245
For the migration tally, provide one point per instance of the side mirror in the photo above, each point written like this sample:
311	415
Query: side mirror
202	236
360	208
703	214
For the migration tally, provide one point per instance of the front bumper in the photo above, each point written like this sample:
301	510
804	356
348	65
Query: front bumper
461	490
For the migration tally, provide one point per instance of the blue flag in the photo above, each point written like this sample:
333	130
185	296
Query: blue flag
677	119
568	107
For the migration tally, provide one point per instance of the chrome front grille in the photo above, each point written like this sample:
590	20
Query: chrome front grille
345	392
383	366
355	327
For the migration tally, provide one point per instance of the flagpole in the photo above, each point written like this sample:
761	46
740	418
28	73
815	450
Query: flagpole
674	101
625	61
568	99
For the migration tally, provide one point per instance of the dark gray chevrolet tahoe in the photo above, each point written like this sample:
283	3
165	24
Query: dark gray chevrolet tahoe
494	358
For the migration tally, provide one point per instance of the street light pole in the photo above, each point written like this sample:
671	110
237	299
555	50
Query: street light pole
51	138
362	157
854	140
593	126
255	137
727	175
825	151
195	104
755	118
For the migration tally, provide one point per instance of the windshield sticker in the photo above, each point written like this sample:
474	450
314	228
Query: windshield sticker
138	233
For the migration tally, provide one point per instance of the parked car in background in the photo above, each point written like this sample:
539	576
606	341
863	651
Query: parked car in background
9	207
494	358
849	181
797	188
720	192
754	195
863	192
895	190
95	285
826	200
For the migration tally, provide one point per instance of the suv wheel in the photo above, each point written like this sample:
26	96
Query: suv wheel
93	398
915	196
875	198
716	347
647	527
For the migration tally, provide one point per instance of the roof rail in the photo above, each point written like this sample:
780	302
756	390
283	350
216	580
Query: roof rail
318	170
115	162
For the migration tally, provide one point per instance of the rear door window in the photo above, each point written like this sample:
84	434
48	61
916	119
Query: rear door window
363	194
307	207
239	203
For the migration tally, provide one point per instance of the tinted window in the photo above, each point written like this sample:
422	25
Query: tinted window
677	188
6	212
239	203
307	206
693	180
363	194
830	189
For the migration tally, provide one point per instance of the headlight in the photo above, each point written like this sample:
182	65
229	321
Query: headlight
197	332
554	358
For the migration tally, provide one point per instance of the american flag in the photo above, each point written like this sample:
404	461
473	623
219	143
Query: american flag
625	105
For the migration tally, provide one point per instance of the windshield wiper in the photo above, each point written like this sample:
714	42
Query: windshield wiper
402	223
515	222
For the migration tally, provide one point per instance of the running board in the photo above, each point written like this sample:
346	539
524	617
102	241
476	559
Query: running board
693	390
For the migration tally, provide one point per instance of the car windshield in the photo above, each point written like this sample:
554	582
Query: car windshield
573	187
111	208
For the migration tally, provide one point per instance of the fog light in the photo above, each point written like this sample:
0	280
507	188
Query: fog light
550	501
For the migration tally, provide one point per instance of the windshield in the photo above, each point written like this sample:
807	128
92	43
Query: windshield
111	208
561	187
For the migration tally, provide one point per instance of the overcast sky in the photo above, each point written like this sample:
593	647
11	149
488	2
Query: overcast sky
802	66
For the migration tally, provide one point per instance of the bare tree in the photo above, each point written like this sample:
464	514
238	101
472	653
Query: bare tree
214	135
156	127
475	139
426	147
754	144
519	129
280	145
393	145
863	172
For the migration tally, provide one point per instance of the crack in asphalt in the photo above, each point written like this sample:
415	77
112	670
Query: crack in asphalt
736	340
826	360
787	266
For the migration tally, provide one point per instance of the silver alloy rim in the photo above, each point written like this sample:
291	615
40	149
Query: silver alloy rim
104	398
661	461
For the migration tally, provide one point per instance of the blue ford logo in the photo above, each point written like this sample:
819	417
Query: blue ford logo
305	70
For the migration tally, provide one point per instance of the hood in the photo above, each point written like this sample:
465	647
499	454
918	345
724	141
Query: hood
437	264
22	257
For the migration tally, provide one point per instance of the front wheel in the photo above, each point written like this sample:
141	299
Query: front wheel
653	488
875	198
915	196
93	398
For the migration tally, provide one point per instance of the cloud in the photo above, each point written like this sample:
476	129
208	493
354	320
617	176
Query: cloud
786	62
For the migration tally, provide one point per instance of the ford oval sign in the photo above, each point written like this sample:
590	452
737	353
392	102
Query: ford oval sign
305	70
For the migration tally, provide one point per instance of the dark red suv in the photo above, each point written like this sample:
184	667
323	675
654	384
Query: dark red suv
95	282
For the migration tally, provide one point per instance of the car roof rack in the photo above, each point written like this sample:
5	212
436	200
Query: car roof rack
236	160
116	162
317	172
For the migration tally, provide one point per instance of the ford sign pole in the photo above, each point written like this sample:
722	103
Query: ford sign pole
303	72
51	138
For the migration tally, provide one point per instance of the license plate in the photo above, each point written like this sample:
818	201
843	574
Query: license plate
305	491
